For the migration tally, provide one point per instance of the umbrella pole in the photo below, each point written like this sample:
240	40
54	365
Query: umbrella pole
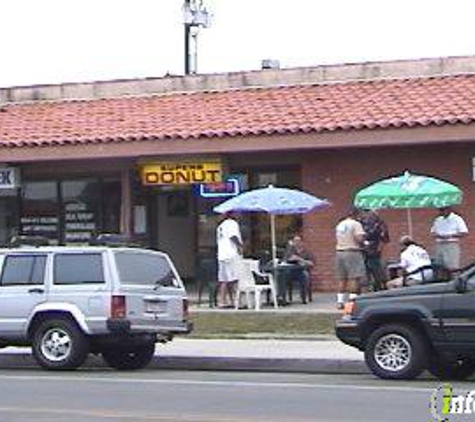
409	221
274	250
272	234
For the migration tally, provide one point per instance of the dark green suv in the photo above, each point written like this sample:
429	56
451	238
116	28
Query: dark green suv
407	330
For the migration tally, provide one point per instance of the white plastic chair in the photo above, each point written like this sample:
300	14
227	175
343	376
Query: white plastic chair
247	283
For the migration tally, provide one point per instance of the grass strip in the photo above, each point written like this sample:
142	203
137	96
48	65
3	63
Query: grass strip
240	325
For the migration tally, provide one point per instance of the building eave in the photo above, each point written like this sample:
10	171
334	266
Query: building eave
432	135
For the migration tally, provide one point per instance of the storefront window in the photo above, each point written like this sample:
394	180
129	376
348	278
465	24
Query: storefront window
40	210
255	227
69	211
286	225
208	219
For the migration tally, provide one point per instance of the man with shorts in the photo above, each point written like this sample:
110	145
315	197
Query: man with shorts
229	242
447	230
350	265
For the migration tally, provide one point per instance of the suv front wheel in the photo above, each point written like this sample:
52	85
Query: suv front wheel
129	358
59	344
395	351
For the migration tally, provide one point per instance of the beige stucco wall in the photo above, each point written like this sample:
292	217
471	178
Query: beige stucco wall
239	80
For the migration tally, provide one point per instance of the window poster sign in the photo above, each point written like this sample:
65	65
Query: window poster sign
79	225
39	225
186	173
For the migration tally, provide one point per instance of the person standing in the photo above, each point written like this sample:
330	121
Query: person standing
350	266
377	235
229	242
447	229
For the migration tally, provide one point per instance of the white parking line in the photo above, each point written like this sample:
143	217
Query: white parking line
239	384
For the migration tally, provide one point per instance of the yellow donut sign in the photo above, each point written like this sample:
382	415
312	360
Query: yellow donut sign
181	173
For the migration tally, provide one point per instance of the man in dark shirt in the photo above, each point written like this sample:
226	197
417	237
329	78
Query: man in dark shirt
377	235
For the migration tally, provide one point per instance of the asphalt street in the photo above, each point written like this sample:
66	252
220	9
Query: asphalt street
98	395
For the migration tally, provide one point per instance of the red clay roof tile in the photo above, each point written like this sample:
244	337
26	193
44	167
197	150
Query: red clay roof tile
293	109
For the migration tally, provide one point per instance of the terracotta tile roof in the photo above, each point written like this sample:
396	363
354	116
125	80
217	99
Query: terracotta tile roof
277	110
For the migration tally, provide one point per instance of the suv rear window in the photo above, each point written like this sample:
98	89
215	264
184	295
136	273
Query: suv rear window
142	268
24	269
78	269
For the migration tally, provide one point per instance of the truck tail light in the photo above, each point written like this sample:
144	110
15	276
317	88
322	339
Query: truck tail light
118	307
186	311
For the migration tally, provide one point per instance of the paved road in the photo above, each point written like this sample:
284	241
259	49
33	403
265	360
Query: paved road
98	395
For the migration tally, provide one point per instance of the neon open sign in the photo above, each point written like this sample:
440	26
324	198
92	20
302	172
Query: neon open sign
230	187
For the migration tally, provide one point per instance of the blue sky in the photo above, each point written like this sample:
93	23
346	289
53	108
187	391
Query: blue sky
54	41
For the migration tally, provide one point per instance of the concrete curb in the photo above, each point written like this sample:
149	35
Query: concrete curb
317	366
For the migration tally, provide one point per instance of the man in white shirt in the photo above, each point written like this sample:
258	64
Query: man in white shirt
447	229
229	242
349	262
413	258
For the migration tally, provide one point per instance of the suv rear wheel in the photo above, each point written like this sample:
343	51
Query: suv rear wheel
59	344
129	358
395	351
451	370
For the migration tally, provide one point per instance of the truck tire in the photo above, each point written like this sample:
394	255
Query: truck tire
458	370
396	351
59	344
129	358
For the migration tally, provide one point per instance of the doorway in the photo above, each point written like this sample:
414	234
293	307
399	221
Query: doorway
176	229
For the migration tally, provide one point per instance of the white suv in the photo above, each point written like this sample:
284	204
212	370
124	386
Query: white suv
67	302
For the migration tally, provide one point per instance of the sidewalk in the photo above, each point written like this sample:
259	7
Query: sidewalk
318	356
322	303
315	356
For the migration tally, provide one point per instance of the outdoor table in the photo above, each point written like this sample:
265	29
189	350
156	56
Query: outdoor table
283	271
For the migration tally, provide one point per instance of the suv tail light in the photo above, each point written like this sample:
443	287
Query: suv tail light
118	307
185	309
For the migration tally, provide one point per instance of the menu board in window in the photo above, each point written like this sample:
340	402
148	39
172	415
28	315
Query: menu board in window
40	210
40	225
79	224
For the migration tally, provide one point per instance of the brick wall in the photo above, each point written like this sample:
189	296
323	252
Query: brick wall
337	175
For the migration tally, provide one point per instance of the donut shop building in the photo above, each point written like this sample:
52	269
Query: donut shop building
150	158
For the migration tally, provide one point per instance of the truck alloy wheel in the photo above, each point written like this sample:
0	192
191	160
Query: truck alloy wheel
392	352
395	351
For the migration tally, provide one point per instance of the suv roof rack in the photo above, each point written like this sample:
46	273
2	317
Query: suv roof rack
113	239
27	240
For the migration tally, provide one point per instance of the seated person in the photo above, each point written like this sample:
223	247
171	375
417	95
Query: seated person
413	258
296	253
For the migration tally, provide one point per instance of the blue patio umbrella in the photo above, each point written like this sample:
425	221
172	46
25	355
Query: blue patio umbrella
273	201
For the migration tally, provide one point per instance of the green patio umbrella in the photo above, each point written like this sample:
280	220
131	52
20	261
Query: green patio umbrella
408	191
